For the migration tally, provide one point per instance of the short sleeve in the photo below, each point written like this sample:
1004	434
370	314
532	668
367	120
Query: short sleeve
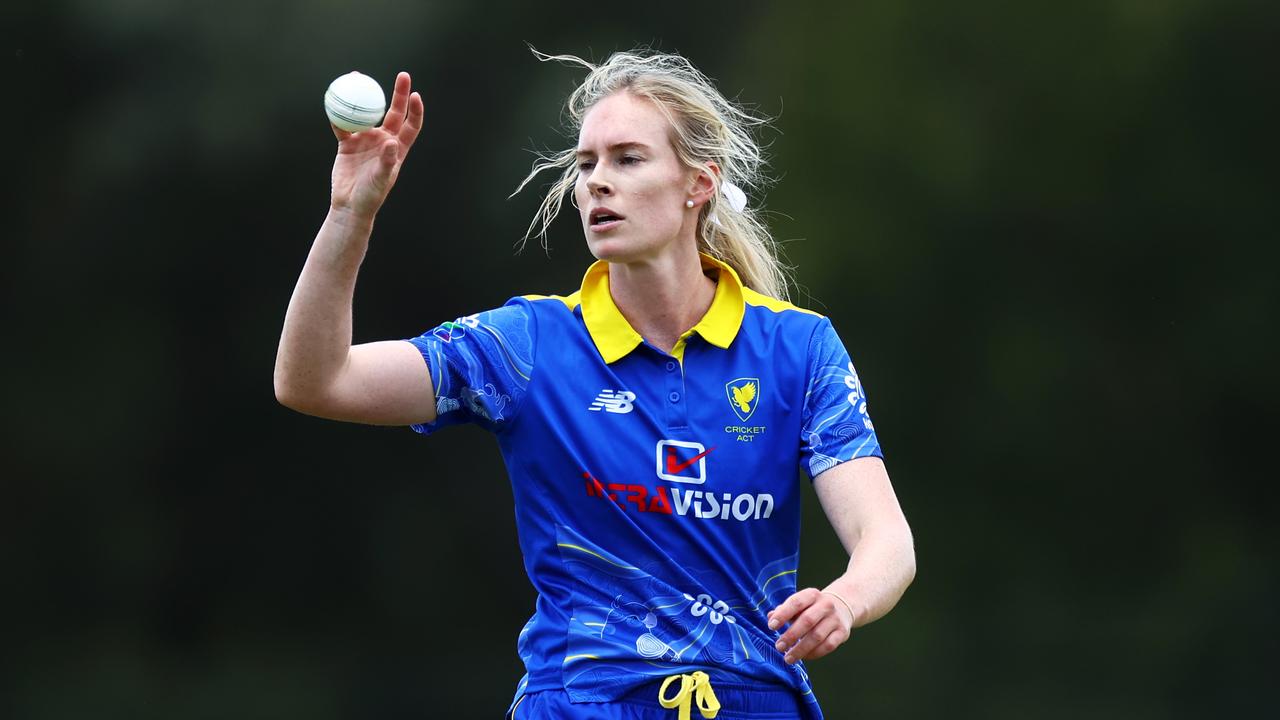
836	427
480	366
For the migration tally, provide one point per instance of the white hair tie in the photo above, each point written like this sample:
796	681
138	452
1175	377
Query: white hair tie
732	195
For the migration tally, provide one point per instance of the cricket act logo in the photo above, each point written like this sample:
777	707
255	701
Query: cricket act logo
743	393
614	401
744	396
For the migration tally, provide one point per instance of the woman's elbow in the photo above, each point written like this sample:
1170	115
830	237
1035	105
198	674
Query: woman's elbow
292	394
908	557
287	396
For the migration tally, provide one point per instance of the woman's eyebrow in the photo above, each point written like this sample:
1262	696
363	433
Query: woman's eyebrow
617	146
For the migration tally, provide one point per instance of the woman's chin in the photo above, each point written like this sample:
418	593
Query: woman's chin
612	249
618	248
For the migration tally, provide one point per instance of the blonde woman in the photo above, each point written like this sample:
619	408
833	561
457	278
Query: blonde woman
652	421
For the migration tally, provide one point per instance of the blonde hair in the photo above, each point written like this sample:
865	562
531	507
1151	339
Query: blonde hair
706	127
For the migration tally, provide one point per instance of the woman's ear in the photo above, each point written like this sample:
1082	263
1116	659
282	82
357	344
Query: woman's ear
704	183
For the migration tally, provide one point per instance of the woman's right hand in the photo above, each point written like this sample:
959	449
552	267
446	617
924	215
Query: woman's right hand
369	161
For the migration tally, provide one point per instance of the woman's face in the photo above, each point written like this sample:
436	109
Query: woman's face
631	188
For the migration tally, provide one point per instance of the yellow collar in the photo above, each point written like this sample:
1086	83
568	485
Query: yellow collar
613	335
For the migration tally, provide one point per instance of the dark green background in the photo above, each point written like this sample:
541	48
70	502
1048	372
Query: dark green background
1045	231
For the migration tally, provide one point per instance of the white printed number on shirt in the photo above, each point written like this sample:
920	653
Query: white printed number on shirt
614	401
856	397
703	604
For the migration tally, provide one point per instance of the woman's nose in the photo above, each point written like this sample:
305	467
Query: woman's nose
598	185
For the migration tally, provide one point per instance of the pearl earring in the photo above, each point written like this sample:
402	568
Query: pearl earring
688	204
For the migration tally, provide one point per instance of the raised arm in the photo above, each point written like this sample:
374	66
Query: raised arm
318	371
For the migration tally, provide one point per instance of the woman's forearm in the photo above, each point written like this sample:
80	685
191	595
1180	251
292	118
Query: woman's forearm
317	335
881	566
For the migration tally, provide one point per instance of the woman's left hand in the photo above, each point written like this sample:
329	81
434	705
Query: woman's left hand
819	624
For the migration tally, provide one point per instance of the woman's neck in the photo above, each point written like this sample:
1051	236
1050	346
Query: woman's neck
662	299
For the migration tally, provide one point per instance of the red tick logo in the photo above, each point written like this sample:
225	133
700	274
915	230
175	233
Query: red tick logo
671	468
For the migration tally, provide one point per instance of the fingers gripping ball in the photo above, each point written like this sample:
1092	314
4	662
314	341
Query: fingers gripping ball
354	102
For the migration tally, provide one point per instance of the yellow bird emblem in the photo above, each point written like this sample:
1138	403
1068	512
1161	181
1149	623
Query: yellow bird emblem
744	396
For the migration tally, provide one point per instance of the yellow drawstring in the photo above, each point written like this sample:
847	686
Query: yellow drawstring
693	688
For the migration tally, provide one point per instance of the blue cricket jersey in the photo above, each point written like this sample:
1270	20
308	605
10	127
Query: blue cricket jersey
656	495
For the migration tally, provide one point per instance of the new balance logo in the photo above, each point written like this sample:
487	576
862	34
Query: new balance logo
614	401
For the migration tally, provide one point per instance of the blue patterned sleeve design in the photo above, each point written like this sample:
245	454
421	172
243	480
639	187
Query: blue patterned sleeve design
480	366
836	427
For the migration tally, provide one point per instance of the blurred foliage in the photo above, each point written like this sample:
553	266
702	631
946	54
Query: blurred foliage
1045	231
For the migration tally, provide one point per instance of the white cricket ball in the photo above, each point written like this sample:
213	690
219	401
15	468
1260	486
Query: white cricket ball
354	102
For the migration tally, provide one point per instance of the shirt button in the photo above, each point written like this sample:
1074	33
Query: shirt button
674	397
671	366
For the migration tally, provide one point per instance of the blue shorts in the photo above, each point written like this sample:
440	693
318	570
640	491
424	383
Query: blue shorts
737	702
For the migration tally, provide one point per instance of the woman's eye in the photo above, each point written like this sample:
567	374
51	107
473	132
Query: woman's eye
585	165
629	160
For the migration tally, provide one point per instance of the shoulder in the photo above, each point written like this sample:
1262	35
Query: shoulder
569	302
766	313
774	305
520	310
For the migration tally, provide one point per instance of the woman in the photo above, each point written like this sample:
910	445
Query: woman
651	422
